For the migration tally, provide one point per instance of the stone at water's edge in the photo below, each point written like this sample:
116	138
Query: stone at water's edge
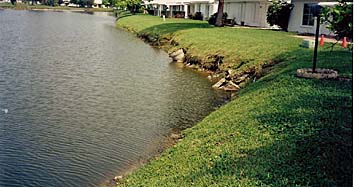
176	136
219	83
226	85
117	179
230	86
178	55
241	78
233	84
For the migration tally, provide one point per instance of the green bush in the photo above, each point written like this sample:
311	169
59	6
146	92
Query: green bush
212	19
339	19
278	14
197	16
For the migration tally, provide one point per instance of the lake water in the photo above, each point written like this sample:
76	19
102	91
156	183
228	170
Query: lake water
81	100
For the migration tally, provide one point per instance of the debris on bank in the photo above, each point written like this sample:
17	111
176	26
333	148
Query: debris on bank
229	82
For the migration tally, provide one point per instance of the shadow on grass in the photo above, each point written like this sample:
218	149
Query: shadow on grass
169	28
321	159
316	137
311	122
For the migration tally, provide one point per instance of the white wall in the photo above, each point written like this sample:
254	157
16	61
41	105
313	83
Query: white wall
98	2
191	9
214	8
296	18
207	9
252	13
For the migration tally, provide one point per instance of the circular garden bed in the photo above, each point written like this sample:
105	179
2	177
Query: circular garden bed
318	74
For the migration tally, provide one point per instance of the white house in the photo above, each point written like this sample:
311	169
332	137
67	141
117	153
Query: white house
206	7
302	21
167	7
248	12
245	12
97	3
5	1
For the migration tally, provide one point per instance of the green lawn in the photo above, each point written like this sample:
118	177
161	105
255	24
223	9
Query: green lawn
279	131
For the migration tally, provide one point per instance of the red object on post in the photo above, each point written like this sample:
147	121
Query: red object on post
322	40
344	43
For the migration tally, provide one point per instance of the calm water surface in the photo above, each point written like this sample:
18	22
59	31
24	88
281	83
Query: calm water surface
80	100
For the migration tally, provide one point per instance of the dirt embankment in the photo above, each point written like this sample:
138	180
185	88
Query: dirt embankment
226	79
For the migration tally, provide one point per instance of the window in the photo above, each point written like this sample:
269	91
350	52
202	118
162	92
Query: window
308	18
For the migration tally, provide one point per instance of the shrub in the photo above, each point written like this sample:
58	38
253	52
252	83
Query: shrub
212	19
278	14
151	11
197	16
178	14
339	19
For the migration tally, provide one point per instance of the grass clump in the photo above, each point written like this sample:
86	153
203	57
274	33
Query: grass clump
279	131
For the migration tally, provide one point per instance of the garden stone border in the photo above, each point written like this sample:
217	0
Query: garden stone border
320	73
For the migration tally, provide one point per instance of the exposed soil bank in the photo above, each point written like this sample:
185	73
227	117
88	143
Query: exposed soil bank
226	79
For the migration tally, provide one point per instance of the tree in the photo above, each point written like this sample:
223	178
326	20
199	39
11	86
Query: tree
83	3
74	2
122	4
53	2
278	14
219	17
106	2
339	19
131	5
112	2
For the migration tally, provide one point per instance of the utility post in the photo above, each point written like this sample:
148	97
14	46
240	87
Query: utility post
315	9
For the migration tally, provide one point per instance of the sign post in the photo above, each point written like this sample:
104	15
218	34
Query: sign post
315	9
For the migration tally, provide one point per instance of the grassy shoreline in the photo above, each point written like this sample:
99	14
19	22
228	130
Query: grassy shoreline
279	131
